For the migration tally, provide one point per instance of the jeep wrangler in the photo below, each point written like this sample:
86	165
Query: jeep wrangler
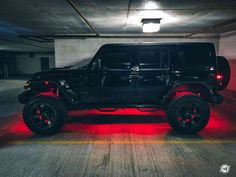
182	79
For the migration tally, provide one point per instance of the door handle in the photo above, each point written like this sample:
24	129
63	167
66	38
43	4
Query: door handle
125	78
140	77
135	69
163	76
129	79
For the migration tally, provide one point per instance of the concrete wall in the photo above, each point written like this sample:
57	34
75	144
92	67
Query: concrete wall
9	59
80	51
30	65
228	45
228	49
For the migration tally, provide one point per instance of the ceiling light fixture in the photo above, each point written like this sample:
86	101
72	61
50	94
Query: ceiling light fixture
151	25
151	5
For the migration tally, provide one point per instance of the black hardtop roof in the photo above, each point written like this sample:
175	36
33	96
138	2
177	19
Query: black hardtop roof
157	44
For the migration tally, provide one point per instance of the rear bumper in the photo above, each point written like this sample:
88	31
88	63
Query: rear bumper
217	99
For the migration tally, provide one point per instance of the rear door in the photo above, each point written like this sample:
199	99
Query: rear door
195	61
153	73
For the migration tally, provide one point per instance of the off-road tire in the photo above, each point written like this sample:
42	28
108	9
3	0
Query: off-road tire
56	105
178	103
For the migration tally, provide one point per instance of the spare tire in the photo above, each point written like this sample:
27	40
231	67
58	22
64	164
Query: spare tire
224	70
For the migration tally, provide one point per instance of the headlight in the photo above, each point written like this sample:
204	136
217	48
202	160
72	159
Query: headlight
64	84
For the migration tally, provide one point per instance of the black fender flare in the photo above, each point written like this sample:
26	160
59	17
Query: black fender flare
195	86
44	89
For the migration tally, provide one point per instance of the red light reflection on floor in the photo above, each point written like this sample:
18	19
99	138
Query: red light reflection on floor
18	126
119	123
121	128
219	122
114	123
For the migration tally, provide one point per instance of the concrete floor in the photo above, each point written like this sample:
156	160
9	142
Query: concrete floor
113	144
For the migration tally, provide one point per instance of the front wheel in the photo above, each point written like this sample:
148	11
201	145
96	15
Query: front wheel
188	114
44	115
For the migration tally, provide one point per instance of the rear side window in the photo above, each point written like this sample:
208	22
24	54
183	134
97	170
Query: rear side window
116	59
153	58
192	56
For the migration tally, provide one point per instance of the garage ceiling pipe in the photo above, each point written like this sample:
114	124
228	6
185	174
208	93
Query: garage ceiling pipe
36	38
53	36
82	36
71	2
24	43
215	27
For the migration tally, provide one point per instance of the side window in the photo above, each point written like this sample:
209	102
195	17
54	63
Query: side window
116	59
155	58
189	56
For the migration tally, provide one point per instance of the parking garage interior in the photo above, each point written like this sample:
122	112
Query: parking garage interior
41	35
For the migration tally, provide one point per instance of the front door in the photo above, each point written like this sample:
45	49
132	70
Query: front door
112	84
153	73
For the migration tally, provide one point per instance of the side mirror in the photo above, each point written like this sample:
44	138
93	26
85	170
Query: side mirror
97	65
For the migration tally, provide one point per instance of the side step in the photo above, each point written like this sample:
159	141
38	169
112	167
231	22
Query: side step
115	109
147	109
107	109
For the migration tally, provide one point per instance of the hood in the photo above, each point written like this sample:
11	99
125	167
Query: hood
57	73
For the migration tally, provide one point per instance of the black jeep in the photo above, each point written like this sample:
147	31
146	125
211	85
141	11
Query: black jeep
180	78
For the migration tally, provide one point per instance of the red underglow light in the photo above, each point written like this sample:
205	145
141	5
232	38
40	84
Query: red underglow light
122	127
121	121
183	93
48	94
46	82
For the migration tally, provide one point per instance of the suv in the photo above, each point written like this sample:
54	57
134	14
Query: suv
179	78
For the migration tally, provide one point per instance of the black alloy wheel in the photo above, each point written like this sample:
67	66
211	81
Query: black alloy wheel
188	114
45	115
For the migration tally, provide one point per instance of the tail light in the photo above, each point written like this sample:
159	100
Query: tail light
219	77
46	82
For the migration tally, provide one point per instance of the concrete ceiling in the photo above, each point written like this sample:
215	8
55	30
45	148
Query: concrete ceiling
39	20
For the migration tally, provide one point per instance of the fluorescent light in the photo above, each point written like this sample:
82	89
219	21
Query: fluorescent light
151	27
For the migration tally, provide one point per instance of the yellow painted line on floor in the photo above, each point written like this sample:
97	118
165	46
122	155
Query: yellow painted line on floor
78	142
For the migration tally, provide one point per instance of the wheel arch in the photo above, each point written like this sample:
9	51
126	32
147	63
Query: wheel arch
49	89
185	88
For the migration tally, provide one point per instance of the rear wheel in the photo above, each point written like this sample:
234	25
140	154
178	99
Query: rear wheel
44	115
188	114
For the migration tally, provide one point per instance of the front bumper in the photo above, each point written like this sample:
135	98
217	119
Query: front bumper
24	97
